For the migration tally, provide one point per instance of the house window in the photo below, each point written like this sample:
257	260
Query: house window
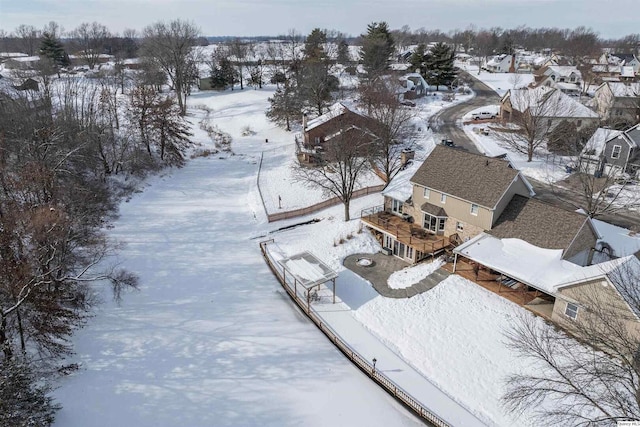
549	122
459	226
571	311
409	252
427	193
615	154
579	123
443	198
434	223
396	206
474	209
317	140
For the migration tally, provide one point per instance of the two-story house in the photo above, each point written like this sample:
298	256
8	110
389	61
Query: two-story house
566	78
453	196
618	102
338	122
614	152
548	105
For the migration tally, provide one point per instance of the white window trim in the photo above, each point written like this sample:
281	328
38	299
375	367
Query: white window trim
566	310
613	152
427	193
477	209
443	198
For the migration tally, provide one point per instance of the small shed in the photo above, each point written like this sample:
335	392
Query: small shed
308	272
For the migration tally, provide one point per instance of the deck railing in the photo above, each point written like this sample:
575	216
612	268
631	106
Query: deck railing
385	382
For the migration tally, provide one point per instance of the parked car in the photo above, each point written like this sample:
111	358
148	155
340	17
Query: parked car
483	115
448	143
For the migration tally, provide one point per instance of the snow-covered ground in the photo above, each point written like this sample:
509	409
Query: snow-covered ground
411	275
545	166
212	339
500	82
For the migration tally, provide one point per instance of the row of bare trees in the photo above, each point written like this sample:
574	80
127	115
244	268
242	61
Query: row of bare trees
60	146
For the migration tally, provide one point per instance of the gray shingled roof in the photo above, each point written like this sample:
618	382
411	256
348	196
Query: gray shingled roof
472	177
433	209
538	223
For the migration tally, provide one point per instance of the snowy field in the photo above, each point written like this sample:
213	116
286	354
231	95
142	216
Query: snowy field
500	82
212	339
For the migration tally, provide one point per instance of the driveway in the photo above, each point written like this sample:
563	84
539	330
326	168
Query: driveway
446	120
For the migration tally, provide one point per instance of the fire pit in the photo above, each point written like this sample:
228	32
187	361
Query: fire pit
365	262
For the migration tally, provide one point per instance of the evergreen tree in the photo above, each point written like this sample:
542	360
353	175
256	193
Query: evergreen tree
23	399
377	47
439	69
315	82
343	52
314	45
52	48
285	106
417	58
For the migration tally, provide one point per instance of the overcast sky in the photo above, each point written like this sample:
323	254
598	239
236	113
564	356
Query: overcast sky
613	18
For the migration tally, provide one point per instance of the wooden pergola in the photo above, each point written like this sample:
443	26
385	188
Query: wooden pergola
309	272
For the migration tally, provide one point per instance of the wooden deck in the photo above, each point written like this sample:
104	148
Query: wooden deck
410	234
518	293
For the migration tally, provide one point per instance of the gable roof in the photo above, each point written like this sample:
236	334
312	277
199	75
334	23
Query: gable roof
619	89
598	140
334	111
542	101
471	177
538	223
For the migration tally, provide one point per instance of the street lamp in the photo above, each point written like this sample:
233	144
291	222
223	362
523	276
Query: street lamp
374	365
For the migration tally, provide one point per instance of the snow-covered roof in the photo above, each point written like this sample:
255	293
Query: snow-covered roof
598	140
12	55
627	71
621	90
334	111
549	102
537	267
602	68
308	269
621	240
400	187
563	70
26	59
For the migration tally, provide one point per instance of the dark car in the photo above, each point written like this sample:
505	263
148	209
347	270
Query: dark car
448	143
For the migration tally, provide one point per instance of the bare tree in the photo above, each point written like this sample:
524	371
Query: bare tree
391	123
238	51
534	114
29	38
345	160
591	382
171	47
91	38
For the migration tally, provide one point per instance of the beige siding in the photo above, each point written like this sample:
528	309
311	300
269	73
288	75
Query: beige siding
600	291
455	208
516	187
469	231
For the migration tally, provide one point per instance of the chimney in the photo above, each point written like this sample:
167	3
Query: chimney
304	121
406	155
512	68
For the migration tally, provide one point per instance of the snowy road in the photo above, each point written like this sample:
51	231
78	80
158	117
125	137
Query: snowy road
209	339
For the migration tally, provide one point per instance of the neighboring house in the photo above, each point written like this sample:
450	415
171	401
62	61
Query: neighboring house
28	84
618	102
413	86
593	151
620	152
628	60
338	122
546	103
503	64
21	63
566	78
438	207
